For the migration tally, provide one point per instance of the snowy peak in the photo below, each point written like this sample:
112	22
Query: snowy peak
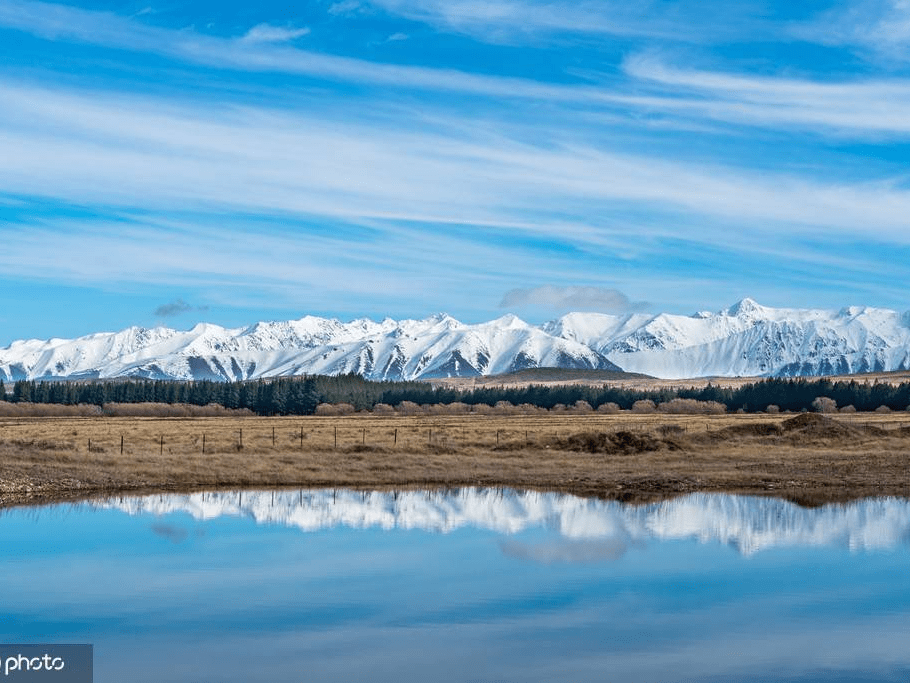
437	346
747	308
747	339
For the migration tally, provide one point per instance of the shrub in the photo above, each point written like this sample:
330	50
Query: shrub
848	409
171	410
823	404
582	407
503	408
327	409
883	409
25	409
613	408
408	408
772	409
690	406
644	406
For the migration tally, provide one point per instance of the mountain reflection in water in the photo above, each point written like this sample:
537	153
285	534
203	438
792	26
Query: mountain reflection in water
472	584
590	529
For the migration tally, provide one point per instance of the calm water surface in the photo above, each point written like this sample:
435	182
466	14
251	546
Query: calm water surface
465	585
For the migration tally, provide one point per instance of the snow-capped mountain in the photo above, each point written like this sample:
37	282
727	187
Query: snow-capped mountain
744	340
750	524
438	346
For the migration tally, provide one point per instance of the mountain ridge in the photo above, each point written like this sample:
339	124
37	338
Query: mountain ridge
746	339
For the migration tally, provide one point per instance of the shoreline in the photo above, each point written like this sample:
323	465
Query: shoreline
803	496
808	459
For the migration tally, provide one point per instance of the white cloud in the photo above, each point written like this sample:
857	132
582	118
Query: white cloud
143	153
266	33
345	7
243	263
519	20
876	108
573	298
878	27
59	22
865	108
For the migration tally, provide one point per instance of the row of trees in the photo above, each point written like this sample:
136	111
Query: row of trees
283	396
301	395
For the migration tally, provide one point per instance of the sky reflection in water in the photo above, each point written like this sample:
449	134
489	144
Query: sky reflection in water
474	584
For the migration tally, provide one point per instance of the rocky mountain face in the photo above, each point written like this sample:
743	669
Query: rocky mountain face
744	340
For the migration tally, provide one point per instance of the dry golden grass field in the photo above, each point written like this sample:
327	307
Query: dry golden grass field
808	458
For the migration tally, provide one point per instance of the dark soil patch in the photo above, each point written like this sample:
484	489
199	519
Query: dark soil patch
622	442
812	426
750	429
365	448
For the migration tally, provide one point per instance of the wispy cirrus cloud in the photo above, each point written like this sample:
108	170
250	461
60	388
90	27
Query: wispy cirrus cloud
266	33
518	20
239	262
63	23
345	7
861	107
876	27
493	168
144	153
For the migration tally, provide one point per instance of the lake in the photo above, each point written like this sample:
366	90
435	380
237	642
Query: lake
463	585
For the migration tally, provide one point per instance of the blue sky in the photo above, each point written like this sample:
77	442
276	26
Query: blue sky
166	163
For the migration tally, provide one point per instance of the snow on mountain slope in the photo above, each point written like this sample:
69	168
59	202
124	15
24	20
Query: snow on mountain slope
434	347
745	340
750	524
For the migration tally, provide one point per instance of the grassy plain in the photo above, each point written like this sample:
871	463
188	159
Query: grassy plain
809	459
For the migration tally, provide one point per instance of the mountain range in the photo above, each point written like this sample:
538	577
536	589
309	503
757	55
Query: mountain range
746	339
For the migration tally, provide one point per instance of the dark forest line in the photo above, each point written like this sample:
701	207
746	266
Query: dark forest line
302	395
